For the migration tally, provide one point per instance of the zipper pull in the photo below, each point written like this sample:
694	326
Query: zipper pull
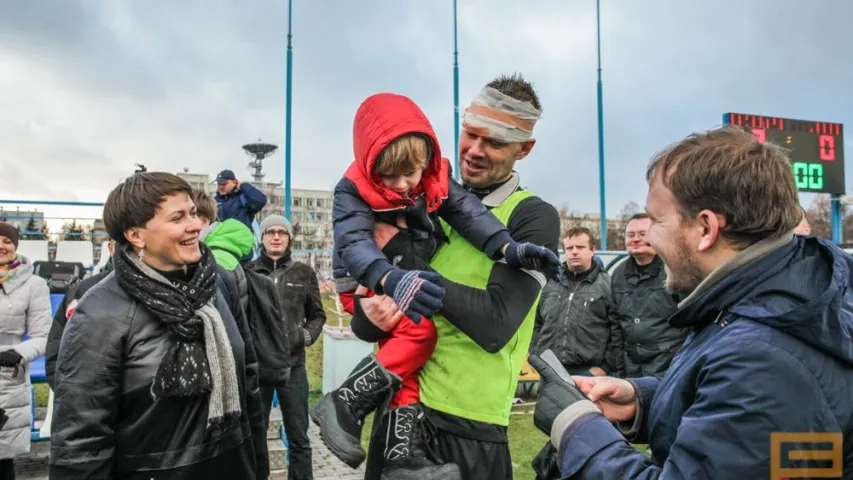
571	296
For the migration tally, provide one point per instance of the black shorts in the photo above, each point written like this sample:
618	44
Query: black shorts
481	450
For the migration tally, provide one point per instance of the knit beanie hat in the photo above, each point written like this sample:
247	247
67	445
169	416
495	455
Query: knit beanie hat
276	221
10	232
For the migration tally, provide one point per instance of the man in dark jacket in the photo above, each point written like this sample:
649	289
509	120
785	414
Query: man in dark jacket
643	341
63	313
572	316
768	366
300	294
234	199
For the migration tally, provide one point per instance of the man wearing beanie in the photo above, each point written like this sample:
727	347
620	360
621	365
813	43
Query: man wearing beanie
300	294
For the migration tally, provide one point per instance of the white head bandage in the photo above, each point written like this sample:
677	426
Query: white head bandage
501	117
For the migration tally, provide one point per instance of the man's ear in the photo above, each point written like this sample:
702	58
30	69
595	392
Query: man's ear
710	227
526	147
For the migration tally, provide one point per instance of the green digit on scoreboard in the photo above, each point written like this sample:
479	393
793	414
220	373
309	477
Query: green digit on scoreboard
808	175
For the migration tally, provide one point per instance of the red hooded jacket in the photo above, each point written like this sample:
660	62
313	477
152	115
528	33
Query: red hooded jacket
381	119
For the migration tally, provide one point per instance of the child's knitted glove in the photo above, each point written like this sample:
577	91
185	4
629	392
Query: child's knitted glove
416	293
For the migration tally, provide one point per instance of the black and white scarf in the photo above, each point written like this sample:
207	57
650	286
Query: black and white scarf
199	360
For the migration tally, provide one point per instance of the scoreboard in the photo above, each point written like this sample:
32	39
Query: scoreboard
816	149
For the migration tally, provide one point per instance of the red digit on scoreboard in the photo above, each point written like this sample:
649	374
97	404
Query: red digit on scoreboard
827	148
761	135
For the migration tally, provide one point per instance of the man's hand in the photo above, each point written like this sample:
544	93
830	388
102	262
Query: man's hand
416	293
380	310
615	397
532	257
597	371
383	233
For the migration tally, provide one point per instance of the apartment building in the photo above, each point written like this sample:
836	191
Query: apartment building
21	219
615	228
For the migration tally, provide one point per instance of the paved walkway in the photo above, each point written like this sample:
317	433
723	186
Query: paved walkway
326	465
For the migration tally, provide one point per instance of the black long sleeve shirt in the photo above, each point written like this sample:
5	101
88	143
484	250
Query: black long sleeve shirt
490	317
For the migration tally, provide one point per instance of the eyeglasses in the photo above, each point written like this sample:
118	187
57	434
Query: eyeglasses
273	233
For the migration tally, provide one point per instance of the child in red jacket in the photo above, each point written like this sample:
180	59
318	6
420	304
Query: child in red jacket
399	177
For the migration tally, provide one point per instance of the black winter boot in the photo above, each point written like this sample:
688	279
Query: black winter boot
340	414
408	441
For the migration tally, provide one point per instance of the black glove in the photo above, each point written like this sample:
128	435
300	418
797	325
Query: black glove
306	337
533	257
10	358
546	463
557	392
416	293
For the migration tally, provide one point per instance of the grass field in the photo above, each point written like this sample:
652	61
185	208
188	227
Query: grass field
525	440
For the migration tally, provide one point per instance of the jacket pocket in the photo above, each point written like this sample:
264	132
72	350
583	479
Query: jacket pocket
597	306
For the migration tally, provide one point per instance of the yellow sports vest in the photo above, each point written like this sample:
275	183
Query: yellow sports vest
461	378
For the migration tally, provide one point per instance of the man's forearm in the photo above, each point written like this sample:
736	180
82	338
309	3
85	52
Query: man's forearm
491	317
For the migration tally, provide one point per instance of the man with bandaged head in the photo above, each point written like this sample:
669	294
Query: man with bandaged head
486	321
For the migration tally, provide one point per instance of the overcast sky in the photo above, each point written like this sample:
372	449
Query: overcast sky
88	88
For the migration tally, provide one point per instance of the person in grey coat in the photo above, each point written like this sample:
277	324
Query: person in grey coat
24	310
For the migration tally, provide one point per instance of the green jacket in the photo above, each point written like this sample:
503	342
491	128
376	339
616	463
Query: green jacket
229	241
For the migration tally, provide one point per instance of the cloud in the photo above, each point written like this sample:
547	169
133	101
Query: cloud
88	88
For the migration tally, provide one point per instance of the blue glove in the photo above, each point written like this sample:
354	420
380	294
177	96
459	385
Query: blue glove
533	257
415	292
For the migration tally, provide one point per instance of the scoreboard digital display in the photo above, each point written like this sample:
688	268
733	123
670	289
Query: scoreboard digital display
816	149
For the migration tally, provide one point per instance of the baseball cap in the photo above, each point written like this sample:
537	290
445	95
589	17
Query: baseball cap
224	176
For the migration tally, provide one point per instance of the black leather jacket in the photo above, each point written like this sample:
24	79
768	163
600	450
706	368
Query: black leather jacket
300	297
106	422
572	321
645	342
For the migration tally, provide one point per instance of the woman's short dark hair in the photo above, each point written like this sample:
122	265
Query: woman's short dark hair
135	201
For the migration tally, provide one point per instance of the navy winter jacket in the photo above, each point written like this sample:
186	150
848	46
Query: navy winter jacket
243	203
771	351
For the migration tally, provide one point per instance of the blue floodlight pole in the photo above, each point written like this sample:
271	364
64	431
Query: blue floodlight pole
455	96
288	110
600	131
837	219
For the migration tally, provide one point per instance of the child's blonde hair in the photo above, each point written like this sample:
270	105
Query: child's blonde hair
404	155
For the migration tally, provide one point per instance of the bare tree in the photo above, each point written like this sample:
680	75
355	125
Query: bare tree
629	210
615	239
819	217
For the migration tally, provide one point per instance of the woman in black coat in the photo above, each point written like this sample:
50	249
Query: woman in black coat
152	376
